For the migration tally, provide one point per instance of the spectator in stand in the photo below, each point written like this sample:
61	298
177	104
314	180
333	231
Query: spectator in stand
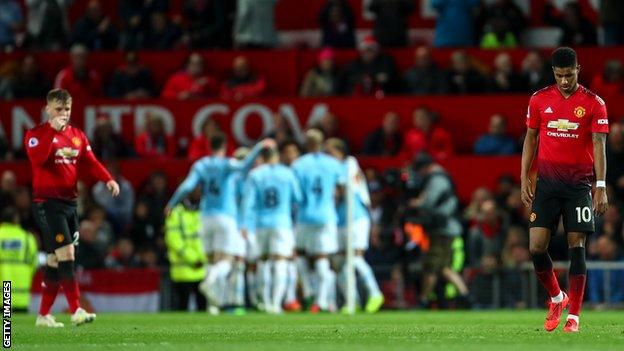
160	33
23	204
462	78
424	77
455	25
122	255
8	74
535	72
498	35
190	83
106	143
243	83
426	135
200	146
155	195
505	79
209	23
119	208
504	14
142	231
391	21
30	81
8	188
373	73
94	29
607	251
329	125
609	82
612	19
131	80
496	141
478	197
105	237
386	140
154	141
135	15
615	159
11	21
321	80
81	81
47	26
6	153
254	24
486	233
577	29
610	224
337	24
90	254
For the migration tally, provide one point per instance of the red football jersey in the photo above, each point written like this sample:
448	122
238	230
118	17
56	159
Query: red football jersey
55	157
565	151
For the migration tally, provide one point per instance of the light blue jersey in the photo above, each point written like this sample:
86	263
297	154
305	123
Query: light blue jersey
240	180
270	192
318	174
214	174
360	195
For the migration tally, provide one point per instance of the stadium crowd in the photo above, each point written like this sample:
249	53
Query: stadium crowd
128	231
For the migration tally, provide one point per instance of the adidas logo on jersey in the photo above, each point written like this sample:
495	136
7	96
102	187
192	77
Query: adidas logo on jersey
548	110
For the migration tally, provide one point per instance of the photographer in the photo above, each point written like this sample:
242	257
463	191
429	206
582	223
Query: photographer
432	203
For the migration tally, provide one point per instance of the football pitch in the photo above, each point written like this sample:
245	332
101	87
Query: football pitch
419	330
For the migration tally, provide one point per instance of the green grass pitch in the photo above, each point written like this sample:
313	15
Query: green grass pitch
439	331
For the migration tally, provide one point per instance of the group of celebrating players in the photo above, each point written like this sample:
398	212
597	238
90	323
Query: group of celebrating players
282	223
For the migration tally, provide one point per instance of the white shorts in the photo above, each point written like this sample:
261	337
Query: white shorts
360	234
317	239
278	242
220	235
253	251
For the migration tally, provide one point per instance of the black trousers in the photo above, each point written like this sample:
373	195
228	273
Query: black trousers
182	296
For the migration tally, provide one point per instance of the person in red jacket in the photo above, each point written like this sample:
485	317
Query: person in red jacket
427	136
80	81
154	141
200	146
243	83
57	150
190	83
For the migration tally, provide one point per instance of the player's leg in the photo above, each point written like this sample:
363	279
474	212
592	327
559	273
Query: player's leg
578	220
323	245
281	246
302	263
363	269
250	272
291	303
50	285
432	267
200	299
238	284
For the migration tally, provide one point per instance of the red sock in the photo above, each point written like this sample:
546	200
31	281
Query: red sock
48	296
549	282
72	293
577	290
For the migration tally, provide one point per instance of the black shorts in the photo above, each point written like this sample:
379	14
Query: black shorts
558	200
58	221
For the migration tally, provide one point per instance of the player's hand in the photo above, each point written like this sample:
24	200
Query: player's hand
113	187
600	201
269	143
526	192
59	122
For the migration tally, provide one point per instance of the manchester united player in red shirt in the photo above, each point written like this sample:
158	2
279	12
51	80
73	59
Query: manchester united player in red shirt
572	126
56	150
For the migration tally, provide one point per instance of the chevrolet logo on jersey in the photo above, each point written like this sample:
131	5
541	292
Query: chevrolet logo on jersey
67	155
563	125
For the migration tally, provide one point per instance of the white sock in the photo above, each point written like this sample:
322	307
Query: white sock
558	298
573	317
304	276
266	283
280	277
239	284
364	270
217	279
325	279
291	287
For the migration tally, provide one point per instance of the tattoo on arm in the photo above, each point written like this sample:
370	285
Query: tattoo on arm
599	138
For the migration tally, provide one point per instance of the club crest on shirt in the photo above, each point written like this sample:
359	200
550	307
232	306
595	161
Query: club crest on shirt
59	238
76	141
579	111
533	217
